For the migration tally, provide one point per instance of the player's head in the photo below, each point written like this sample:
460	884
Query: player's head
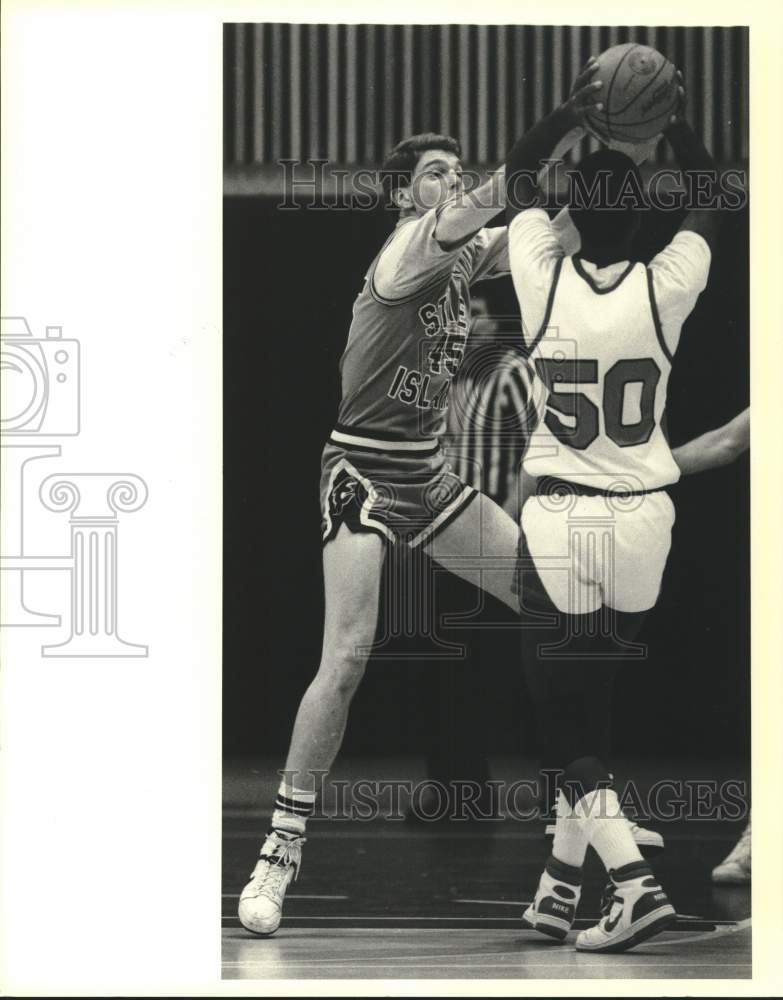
421	172
604	200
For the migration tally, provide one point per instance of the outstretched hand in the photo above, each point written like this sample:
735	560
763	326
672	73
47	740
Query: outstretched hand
584	93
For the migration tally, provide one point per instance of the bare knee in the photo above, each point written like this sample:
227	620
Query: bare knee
343	663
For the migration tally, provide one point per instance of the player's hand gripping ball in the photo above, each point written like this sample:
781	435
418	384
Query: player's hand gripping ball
639	94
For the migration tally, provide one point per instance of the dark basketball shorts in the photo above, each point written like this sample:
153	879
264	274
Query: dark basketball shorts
401	490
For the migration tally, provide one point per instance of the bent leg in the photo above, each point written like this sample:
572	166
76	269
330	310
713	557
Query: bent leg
352	573
480	546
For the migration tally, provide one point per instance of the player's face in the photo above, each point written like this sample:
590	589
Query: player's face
436	178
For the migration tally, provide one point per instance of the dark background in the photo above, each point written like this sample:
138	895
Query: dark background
346	94
289	283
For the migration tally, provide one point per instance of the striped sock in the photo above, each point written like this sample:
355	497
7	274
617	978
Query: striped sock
570	844
293	808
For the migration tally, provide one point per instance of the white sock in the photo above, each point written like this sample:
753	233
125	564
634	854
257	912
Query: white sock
292	809
606	829
570	844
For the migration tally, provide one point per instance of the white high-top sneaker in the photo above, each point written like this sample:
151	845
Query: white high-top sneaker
261	902
639	909
553	910
735	867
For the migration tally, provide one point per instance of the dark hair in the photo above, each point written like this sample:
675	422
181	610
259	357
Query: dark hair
605	194
398	167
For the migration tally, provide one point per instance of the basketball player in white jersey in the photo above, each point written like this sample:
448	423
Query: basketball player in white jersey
602	332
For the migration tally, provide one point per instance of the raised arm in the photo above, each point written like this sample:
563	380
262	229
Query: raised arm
715	448
475	209
696	163
524	162
535	250
472	210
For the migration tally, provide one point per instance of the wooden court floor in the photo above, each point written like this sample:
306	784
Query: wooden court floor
390	900
398	952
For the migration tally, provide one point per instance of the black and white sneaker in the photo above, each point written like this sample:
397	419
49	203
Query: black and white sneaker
637	910
553	910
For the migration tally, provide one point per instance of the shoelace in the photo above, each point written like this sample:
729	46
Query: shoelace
607	899
277	865
610	897
270	885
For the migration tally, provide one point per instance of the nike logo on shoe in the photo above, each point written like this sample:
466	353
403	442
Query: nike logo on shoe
611	924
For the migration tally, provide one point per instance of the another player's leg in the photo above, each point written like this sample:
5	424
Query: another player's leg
588	812
480	546
476	546
556	899
638	907
598	704
352	571
570	673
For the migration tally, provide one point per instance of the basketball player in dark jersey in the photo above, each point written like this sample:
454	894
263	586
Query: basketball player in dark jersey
384	478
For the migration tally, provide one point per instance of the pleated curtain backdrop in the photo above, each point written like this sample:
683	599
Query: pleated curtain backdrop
348	93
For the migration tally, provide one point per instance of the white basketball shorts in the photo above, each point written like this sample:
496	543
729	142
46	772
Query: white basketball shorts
599	550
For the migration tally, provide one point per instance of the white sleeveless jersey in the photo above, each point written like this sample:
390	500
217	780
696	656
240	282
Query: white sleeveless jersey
603	358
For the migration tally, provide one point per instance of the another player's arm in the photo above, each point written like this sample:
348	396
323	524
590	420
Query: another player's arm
471	211
680	271
524	162
718	447
422	248
474	210
535	247
695	162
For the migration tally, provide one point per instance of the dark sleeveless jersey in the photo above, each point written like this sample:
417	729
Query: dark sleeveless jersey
405	346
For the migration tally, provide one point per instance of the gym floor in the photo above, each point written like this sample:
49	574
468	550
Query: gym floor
390	899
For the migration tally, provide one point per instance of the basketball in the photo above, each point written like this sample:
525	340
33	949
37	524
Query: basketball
639	94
